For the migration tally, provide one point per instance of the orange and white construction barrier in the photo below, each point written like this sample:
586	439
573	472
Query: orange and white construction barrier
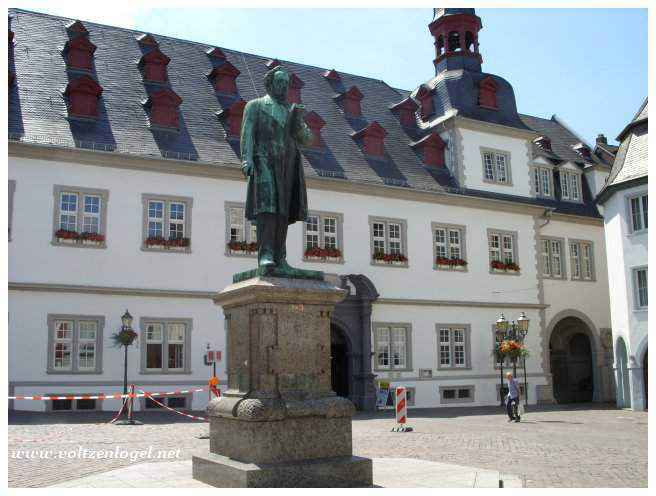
173	409
106	396
401	408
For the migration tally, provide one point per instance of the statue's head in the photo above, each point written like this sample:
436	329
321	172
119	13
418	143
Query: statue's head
276	82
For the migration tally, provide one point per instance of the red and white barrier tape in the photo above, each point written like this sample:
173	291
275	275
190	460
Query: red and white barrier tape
118	415
194	417
108	396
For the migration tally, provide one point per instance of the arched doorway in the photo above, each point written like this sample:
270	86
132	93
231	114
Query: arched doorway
571	359
622	375
339	366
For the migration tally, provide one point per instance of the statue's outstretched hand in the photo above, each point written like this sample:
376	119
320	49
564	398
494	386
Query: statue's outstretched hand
247	168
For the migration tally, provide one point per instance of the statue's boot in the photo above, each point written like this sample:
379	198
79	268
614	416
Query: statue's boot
266	240
281	245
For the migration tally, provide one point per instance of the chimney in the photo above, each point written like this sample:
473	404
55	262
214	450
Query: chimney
601	139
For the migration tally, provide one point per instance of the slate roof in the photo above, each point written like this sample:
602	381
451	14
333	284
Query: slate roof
631	161
37	111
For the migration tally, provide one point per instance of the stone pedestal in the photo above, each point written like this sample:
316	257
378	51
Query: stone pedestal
279	424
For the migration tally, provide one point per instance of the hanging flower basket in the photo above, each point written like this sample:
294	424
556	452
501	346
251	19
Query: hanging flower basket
124	337
390	258
509	348
242	247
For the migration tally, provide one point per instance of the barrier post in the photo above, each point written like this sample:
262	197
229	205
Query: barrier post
401	410
130	404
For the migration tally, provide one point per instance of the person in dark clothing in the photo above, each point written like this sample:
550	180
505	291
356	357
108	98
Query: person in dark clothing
512	399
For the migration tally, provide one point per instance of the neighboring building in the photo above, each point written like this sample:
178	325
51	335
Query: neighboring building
437	208
624	201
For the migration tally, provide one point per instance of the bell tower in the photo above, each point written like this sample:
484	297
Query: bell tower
456	39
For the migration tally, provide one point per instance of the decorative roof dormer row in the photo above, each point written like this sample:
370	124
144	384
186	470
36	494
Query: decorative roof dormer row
315	123
78	50
431	147
231	117
372	138
162	106
224	78
82	96
406	110
350	101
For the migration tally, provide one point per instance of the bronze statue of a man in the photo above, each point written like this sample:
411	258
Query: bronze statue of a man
271	133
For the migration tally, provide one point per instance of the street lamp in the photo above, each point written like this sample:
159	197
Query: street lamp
125	337
516	331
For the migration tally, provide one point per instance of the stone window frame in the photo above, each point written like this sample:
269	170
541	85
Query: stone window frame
636	289
404	240
470	399
515	237
167	199
49	409
248	236
76	318
451	327
495	151
563	256
10	193
563	173
408	346
187	345
80	191
581	243
507	364
339	234
540	169
629	214
463	244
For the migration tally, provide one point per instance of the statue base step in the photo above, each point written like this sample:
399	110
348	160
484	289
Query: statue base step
288	273
341	471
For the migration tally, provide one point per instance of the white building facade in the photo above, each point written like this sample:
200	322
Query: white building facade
625	201
502	221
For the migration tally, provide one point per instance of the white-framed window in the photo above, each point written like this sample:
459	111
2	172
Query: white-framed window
312	232
552	258
91	214
638	213
542	182
496	166
453	346
68	211
448	246
166	223
581	260
322	237
641	285
75	344
392	344
388	241
165	346
570	185
502	249
241	234
80	216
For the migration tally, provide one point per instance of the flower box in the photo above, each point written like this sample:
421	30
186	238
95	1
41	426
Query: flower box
444	263
175	244
242	248
390	259
317	254
85	238
498	266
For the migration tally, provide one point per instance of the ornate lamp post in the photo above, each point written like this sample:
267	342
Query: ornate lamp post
126	337
515	331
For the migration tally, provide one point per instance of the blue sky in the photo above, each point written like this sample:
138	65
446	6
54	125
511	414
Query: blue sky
588	66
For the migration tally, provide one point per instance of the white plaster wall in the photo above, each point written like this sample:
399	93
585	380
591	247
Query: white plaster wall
596	180
473	141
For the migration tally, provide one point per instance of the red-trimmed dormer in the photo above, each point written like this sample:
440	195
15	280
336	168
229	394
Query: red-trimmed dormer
425	97
271	63
351	101
163	105
147	39
373	139
331	75
294	91
79	53
232	117
431	148
406	109
487	93
215	53
76	28
224	78
153	65
315	123
82	96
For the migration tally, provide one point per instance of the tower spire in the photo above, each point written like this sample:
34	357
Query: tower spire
456	39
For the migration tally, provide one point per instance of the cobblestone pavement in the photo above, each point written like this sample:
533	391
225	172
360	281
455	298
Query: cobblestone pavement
586	446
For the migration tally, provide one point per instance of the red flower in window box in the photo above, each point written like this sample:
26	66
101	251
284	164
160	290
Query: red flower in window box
451	262
389	257
89	236
168	243
499	265
65	234
242	246
512	266
318	252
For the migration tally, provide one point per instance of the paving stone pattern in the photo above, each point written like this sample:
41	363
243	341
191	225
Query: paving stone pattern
585	446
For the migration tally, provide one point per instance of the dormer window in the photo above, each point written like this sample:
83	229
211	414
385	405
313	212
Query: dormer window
315	123
373	139
82	97
163	106
487	93
570	185
153	65
406	109
79	53
294	91
543	142
215	53
425	97
431	148
351	102
76	28
224	78
232	117
583	150
331	75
